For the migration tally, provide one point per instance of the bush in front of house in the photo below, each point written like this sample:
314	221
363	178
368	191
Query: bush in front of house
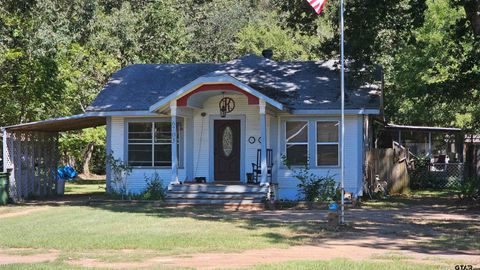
314	188
120	171
154	190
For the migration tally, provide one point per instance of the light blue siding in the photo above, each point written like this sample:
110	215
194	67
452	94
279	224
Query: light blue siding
198	140
288	184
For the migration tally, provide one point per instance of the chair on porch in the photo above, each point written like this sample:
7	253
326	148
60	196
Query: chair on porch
257	167
440	162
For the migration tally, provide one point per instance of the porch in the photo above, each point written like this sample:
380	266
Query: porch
205	132
442	147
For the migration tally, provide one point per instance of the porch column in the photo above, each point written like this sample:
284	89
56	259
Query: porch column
173	113
263	129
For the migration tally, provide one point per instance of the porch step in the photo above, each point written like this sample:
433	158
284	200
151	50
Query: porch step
217	195
210	202
216	188
213	196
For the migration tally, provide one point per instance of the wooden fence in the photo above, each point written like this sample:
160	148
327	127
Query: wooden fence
32	158
391	165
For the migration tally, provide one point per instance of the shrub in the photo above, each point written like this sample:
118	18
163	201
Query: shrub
314	188
318	188
468	189
120	172
421	177
154	189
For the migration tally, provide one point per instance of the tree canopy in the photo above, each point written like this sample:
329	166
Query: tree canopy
55	55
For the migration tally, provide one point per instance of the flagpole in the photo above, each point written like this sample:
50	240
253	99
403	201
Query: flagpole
342	89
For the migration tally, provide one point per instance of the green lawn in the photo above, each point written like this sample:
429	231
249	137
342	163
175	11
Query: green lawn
105	231
350	265
414	197
291	265
76	228
84	187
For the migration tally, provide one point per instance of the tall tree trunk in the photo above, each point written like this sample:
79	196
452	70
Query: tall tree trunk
472	8
87	157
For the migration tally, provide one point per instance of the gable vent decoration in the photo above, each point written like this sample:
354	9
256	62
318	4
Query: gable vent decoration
226	105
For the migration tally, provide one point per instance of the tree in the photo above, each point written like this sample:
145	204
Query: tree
29	83
214	25
266	32
472	11
56	55
85	148
435	79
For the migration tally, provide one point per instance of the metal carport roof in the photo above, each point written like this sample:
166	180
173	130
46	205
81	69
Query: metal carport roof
423	128
74	122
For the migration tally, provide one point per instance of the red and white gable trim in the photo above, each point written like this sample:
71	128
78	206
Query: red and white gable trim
213	84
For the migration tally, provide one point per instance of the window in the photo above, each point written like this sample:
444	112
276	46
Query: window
327	143
149	143
296	134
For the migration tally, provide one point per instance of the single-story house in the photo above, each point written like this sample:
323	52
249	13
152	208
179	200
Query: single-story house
218	122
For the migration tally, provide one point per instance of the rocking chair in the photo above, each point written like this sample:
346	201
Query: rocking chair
257	167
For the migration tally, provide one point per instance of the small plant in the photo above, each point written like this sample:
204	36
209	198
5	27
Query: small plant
468	189
154	189
421	178
313	188
120	172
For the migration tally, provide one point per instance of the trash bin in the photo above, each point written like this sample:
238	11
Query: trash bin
3	188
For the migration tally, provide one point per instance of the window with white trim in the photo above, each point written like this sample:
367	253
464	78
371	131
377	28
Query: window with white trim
296	134
149	144
327	143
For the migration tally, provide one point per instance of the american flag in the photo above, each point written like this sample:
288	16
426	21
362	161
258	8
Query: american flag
317	5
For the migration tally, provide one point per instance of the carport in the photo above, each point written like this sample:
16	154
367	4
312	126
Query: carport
30	153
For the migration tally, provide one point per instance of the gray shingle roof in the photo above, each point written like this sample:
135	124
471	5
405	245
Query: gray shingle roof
298	85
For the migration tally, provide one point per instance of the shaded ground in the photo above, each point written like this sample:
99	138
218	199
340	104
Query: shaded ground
422	229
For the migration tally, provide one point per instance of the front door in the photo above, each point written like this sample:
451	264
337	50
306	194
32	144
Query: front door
226	152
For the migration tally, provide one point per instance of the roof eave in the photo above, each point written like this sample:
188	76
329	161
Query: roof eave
214	80
360	111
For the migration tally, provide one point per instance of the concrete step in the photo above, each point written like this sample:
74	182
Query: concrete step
218	188
215	192
214	196
226	206
212	202
217	195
